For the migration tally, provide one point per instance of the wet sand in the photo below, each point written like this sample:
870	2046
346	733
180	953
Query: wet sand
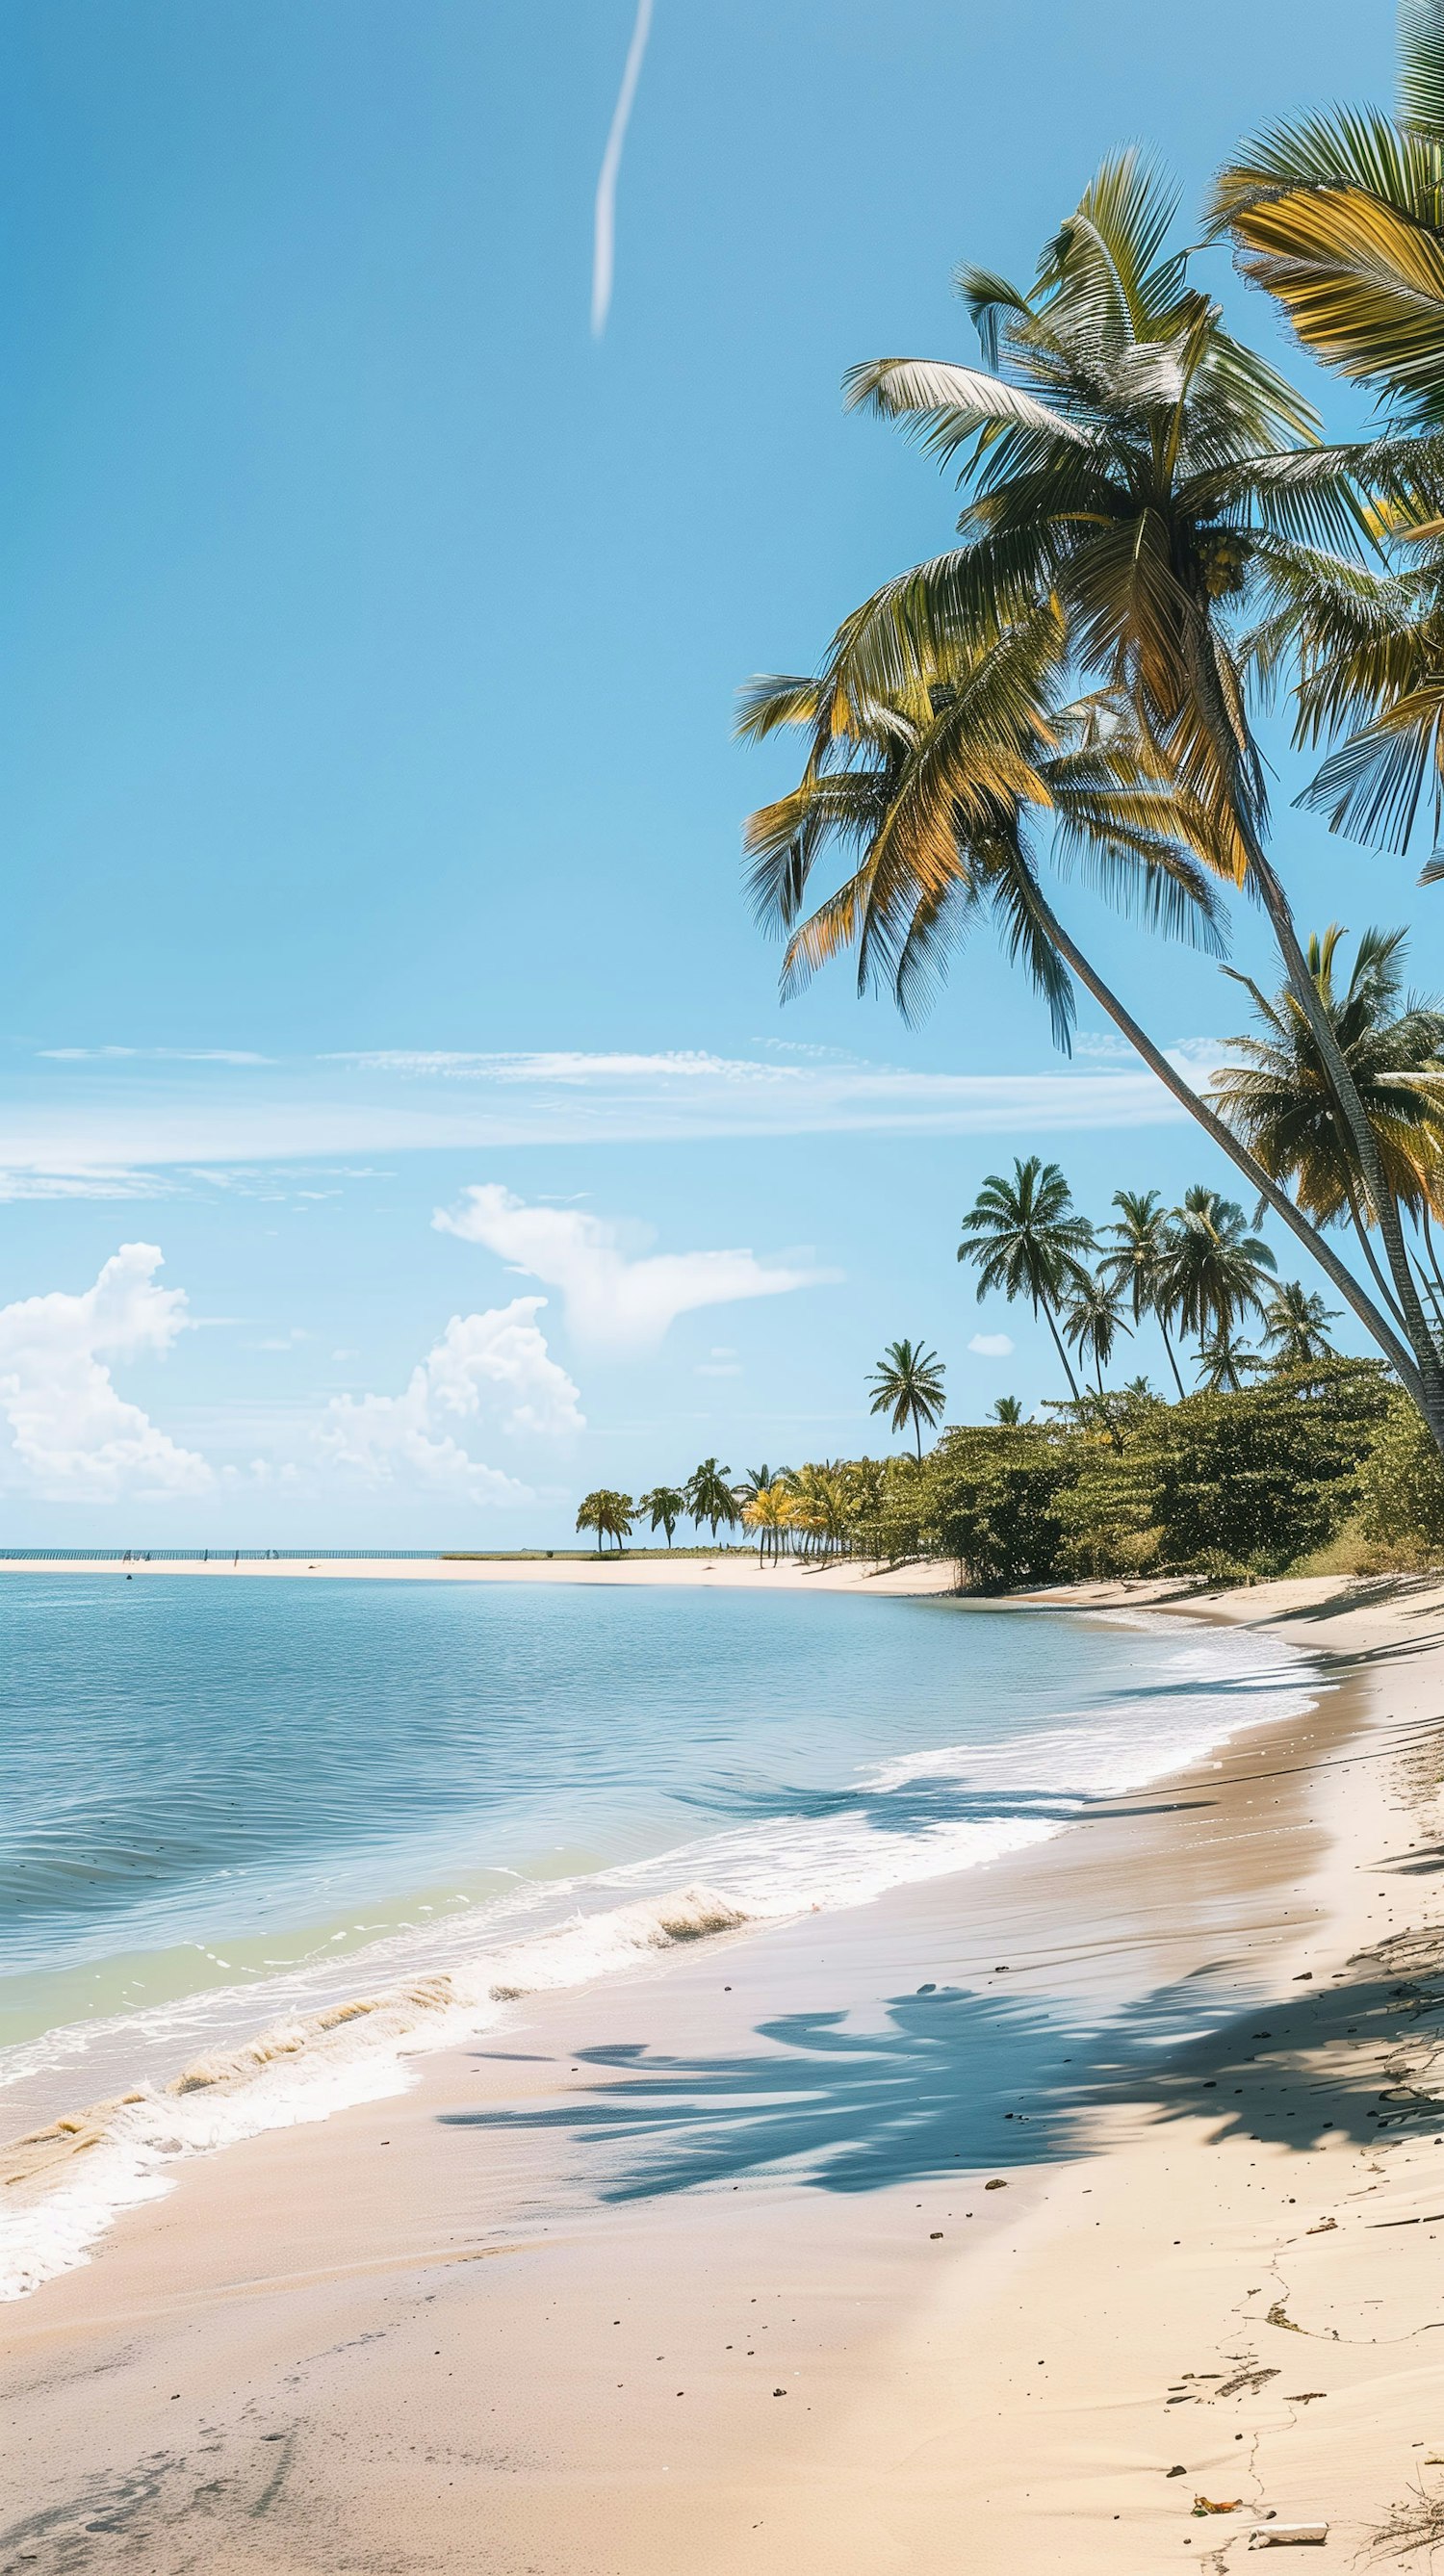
702	2271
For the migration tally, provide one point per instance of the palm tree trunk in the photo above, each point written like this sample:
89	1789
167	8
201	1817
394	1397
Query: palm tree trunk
1172	1362
1058	1346
1375	1322
918	1428
1356	1214
1432	1280
1351	1109
1231	747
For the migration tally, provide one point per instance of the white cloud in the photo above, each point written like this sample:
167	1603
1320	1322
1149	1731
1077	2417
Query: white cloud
991	1346
97	1127
494	1368
73	1434
151	1055
611	1301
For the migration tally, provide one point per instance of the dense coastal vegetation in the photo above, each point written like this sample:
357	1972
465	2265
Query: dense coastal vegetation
1289	1458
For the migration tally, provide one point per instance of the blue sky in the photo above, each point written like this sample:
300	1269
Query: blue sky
371	817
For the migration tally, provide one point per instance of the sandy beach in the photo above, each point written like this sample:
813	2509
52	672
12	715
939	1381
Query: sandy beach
800	2253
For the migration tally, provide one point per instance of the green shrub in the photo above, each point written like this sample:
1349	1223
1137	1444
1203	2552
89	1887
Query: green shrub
1401	1484
992	1500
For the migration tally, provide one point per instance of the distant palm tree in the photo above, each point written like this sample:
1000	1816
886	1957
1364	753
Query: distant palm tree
1225	1362
1093	1320
666	1504
710	1498
768	1511
1295	1322
908	1383
818	1503
1276	1095
1142	1249
1027	1239
1218	1270
755	1480
1008	1411
608	1513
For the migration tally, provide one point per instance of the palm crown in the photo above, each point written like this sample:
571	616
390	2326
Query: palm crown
1135	461
1277	1095
1218	1270
1296	1322
1027	1239
908	1384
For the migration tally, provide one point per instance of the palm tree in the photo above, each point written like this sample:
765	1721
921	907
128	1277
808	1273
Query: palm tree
1027	1239
1009	1412
939	723
908	1383
1278	1097
1093	1320
710	1498
1142	1239
665	1504
1219	1269
818	1503
1154	475
608	1513
1224	1362
1295	1326
767	1511
1341	217
755	1480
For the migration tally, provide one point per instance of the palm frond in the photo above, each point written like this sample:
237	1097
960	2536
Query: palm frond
1421	67
947	405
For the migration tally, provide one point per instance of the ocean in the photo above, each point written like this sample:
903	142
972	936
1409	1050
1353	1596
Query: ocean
262	1841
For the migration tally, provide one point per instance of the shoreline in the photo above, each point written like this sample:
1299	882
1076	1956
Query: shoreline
725	1569
354	2238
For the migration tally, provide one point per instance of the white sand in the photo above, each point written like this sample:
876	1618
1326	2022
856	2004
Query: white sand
424	2336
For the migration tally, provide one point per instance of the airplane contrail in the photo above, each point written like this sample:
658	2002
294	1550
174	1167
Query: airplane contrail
604	232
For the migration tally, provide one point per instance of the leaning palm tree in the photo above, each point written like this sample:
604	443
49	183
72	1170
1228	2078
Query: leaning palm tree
710	1498
1225	1363
1219	1270
1129	457
1093	1320
907	1383
665	1505
1137	479
1138	1261
1277	1096
1296	1322
1028	1240
608	1513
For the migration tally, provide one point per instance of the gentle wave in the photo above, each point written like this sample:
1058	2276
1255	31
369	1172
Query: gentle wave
298	2070
788	1853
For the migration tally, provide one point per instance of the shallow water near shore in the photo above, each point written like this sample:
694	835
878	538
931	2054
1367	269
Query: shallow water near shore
233	1812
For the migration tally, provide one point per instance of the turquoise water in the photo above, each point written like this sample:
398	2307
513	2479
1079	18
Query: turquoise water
227	1808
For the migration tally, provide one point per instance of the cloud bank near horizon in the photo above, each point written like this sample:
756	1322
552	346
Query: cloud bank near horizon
493	1367
75	1438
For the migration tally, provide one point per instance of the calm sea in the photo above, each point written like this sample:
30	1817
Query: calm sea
229	1811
